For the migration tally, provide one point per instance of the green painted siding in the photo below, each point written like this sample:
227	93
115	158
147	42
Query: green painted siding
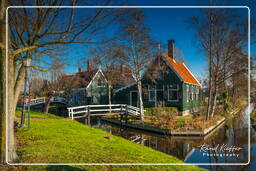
161	82
189	102
95	93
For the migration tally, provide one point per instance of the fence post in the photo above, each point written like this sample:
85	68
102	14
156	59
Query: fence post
72	114
126	113
89	119
121	110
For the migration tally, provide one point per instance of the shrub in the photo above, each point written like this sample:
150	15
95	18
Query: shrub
180	122
149	111
157	111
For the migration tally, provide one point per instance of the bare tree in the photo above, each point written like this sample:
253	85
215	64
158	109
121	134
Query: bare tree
105	56
221	36
35	85
33	29
52	88
136	46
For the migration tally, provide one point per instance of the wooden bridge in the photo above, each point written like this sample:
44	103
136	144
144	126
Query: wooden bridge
42	100
102	110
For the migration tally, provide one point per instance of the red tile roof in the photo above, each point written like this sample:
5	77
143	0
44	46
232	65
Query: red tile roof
183	71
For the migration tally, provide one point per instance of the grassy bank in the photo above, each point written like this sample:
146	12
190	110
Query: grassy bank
52	140
38	115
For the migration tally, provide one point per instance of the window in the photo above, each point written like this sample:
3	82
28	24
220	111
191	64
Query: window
173	92
197	93
152	93
192	93
100	83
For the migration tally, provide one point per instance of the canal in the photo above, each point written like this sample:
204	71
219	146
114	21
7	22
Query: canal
230	141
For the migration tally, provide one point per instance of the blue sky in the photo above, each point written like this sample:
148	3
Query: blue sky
170	23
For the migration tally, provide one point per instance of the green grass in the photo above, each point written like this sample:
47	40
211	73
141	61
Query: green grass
66	141
37	114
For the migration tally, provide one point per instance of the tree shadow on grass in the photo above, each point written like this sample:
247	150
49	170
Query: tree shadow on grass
63	168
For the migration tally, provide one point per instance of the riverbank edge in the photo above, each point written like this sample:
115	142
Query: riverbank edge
158	130
32	147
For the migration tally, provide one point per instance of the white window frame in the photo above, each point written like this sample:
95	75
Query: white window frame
197	93
187	93
173	89
151	90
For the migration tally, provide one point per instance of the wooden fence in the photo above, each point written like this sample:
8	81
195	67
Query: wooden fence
40	100
102	110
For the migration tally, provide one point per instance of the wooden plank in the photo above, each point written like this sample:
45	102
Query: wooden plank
104	105
77	107
78	112
79	117
132	107
105	114
105	110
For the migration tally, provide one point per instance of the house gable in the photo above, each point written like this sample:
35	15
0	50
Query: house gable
99	76
92	89
160	72
182	71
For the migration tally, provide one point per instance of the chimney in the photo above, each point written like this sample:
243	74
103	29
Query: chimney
89	66
80	69
171	48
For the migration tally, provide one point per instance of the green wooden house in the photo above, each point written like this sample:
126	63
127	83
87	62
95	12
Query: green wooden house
92	88
166	83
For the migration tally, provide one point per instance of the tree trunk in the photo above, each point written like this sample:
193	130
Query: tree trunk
140	100
12	156
209	105
109	97
47	104
2	81
214	104
214	96
2	102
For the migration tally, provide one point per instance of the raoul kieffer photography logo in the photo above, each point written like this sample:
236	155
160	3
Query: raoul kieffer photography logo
220	150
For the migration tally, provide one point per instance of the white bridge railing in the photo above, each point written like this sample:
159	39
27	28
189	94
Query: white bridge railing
102	110
43	99
36	101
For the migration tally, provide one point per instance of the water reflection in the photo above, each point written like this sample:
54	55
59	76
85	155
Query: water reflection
233	133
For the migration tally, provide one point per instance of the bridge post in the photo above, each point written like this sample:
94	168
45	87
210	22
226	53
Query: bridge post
121	109
88	116
126	113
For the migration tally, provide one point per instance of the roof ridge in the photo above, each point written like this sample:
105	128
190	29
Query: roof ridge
182	71
191	73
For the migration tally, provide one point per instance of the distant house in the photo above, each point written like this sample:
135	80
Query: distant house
166	83
93	87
